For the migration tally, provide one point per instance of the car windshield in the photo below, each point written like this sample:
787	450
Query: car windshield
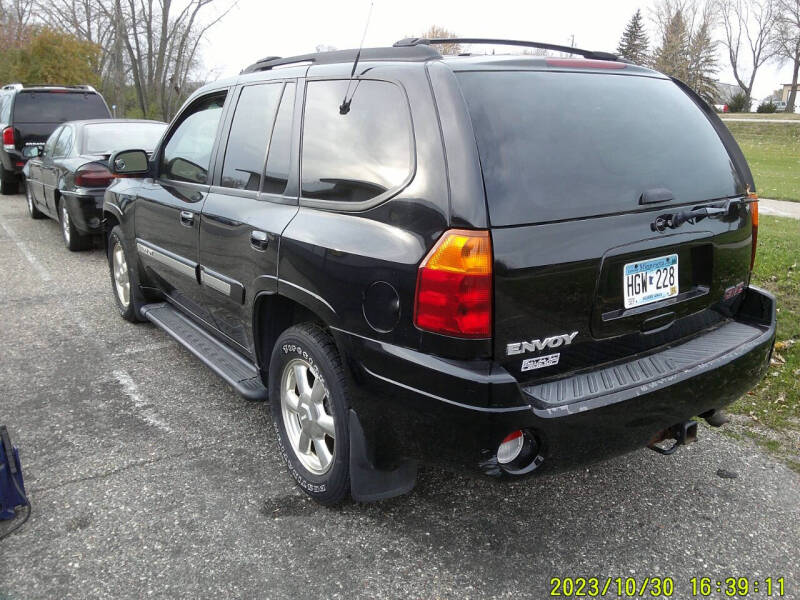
105	138
58	106
557	145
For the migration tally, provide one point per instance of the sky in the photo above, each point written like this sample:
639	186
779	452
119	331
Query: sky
258	28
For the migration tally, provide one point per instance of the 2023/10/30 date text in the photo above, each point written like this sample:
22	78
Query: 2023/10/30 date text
665	587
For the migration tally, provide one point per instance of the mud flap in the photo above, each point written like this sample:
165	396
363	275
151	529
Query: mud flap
368	483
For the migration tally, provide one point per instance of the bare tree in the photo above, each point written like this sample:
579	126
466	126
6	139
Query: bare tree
150	45
15	19
85	20
749	30
788	42
434	31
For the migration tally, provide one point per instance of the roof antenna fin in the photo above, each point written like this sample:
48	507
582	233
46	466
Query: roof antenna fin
344	108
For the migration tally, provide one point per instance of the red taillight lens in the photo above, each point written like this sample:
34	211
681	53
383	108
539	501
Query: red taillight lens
754	215
8	137
93	175
454	286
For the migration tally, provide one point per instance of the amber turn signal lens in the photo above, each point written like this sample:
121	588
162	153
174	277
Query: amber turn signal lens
454	286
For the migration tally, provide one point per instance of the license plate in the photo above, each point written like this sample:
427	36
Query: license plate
650	280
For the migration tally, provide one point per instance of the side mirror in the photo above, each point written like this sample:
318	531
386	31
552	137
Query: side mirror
129	162
31	151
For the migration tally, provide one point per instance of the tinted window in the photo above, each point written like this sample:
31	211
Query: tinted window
5	108
361	154
565	145
51	142
57	107
105	138
280	146
63	146
187	155
249	136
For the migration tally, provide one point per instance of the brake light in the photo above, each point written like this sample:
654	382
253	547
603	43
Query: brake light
8	138
454	286
584	63
754	216
93	175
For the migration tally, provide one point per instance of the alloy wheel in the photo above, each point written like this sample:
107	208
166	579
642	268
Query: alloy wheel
122	280
65	222
307	417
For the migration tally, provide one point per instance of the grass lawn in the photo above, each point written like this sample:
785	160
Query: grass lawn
759	116
773	152
771	413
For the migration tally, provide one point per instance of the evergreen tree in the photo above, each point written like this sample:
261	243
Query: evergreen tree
703	62
672	56
634	44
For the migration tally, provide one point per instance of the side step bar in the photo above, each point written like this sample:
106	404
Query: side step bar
240	374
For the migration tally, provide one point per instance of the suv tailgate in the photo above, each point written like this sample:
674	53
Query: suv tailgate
577	166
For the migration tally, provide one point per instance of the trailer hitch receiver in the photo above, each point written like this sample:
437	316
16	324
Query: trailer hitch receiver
683	433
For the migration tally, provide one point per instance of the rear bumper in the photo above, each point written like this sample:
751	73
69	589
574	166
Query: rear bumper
86	209
12	160
456	413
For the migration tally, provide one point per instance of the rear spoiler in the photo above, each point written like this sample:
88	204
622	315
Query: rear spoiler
734	151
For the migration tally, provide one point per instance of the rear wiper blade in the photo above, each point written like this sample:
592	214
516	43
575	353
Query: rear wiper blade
675	220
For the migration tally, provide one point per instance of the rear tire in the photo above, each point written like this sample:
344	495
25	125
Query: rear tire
34	212
124	282
73	239
9	184
308	402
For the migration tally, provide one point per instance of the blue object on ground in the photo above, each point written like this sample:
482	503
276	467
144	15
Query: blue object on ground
12	488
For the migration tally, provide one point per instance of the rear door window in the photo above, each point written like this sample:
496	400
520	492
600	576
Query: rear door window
104	138
57	107
276	175
568	145
249	136
360	155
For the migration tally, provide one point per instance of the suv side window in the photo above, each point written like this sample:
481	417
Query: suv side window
249	136
276	175
5	109
187	154
360	155
64	144
51	142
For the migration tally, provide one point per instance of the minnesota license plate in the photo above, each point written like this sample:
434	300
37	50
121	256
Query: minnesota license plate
650	280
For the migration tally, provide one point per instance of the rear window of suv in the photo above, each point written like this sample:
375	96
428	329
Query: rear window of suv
566	145
57	107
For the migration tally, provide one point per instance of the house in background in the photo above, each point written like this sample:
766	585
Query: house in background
725	91
787	88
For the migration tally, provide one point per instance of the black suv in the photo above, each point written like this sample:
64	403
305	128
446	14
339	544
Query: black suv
30	113
505	263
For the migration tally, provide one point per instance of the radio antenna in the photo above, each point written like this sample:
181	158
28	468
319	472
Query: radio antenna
345	106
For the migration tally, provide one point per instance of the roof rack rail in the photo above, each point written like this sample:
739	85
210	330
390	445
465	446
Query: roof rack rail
590	54
20	86
410	53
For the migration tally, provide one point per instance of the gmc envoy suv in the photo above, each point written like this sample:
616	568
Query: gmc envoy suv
502	263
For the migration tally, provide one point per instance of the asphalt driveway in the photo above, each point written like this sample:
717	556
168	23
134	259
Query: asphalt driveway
150	478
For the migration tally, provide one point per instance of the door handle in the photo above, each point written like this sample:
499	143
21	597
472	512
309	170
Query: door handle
187	218
259	240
